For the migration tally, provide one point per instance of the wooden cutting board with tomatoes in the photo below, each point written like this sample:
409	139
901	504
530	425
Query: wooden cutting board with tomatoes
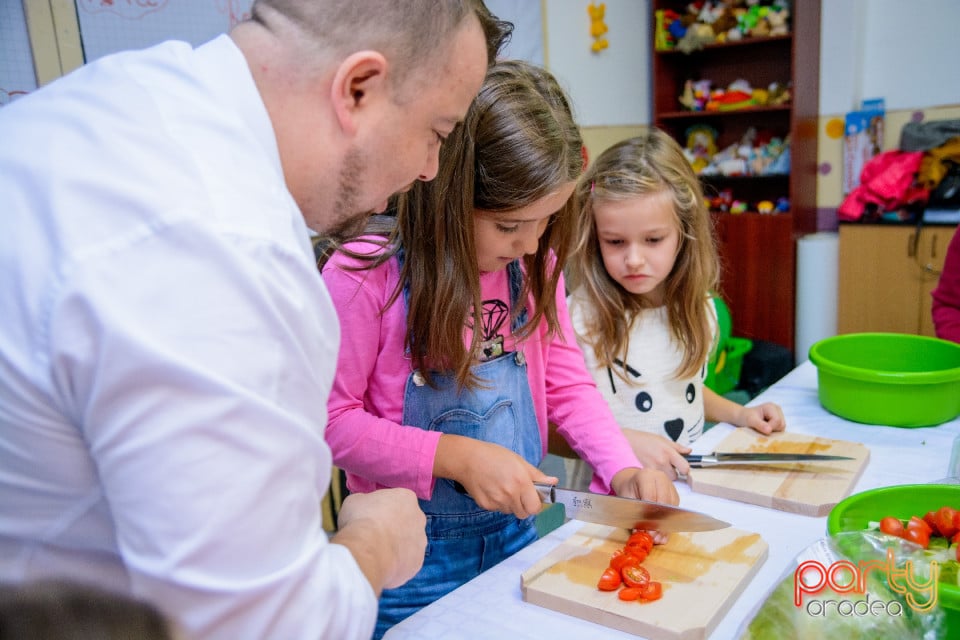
809	488
700	574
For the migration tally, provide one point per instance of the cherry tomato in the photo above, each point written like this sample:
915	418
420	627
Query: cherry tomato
623	559
653	590
917	535
630	593
892	526
640	539
944	521
635	576
610	580
641	554
920	523
930	519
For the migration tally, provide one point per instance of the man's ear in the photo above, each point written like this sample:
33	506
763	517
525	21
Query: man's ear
358	84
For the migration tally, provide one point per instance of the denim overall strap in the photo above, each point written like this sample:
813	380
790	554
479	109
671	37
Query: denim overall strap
464	539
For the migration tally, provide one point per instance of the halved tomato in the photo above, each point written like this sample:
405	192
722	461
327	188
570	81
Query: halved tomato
630	593
623	559
640	539
635	576
610	580
918	535
944	520
653	590
892	526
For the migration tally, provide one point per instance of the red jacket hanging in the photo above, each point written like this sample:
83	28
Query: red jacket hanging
888	180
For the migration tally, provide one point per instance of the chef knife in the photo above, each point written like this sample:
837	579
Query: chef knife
626	512
714	459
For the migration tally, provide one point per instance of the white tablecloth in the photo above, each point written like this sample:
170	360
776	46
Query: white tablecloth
490	606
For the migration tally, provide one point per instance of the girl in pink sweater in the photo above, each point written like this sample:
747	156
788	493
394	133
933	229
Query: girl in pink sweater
456	344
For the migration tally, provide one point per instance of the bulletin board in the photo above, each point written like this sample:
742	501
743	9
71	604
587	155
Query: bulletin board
17	76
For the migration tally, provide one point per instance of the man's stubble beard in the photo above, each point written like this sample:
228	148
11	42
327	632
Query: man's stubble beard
347	221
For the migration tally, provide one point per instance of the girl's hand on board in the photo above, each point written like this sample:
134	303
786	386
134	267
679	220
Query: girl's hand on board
646	484
764	418
497	478
658	452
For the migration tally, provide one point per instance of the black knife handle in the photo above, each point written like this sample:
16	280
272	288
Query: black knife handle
695	460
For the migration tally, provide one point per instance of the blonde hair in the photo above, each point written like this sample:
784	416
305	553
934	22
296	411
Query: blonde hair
641	167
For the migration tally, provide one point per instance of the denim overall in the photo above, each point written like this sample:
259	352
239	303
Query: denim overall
463	539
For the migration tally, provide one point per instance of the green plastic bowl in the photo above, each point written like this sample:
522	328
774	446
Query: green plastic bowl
902	501
893	379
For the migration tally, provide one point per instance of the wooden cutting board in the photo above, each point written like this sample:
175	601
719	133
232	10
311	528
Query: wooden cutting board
702	574
811	489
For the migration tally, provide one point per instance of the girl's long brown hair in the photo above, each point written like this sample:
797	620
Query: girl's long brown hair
640	167
518	143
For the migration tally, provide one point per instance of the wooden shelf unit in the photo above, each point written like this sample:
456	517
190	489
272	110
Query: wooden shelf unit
757	252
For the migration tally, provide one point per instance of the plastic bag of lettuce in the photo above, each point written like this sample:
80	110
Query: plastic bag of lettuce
859	584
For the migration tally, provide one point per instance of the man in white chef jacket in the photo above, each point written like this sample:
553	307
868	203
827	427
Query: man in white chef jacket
167	345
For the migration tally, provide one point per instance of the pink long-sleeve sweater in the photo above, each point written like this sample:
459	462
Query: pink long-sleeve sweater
946	297
366	404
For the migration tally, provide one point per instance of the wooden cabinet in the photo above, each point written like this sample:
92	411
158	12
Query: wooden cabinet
886	276
757	251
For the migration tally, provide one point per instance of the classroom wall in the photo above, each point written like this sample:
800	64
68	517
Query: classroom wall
901	51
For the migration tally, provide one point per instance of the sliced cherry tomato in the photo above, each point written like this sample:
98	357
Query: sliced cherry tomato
610	580
653	590
917	535
944	521
956	537
640	539
630	593
892	526
641	554
930	519
623	559
920	523
635	576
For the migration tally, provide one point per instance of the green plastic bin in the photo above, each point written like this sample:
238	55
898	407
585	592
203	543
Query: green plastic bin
892	379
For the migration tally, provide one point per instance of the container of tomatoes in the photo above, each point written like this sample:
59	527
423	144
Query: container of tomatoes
925	514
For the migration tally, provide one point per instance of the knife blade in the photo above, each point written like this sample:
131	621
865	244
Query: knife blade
627	513
716	458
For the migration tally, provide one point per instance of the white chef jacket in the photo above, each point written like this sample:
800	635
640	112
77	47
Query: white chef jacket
166	351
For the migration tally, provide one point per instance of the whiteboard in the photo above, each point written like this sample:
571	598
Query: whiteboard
17	77
108	26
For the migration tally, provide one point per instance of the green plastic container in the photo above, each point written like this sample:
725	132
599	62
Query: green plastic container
902	501
893	379
723	375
